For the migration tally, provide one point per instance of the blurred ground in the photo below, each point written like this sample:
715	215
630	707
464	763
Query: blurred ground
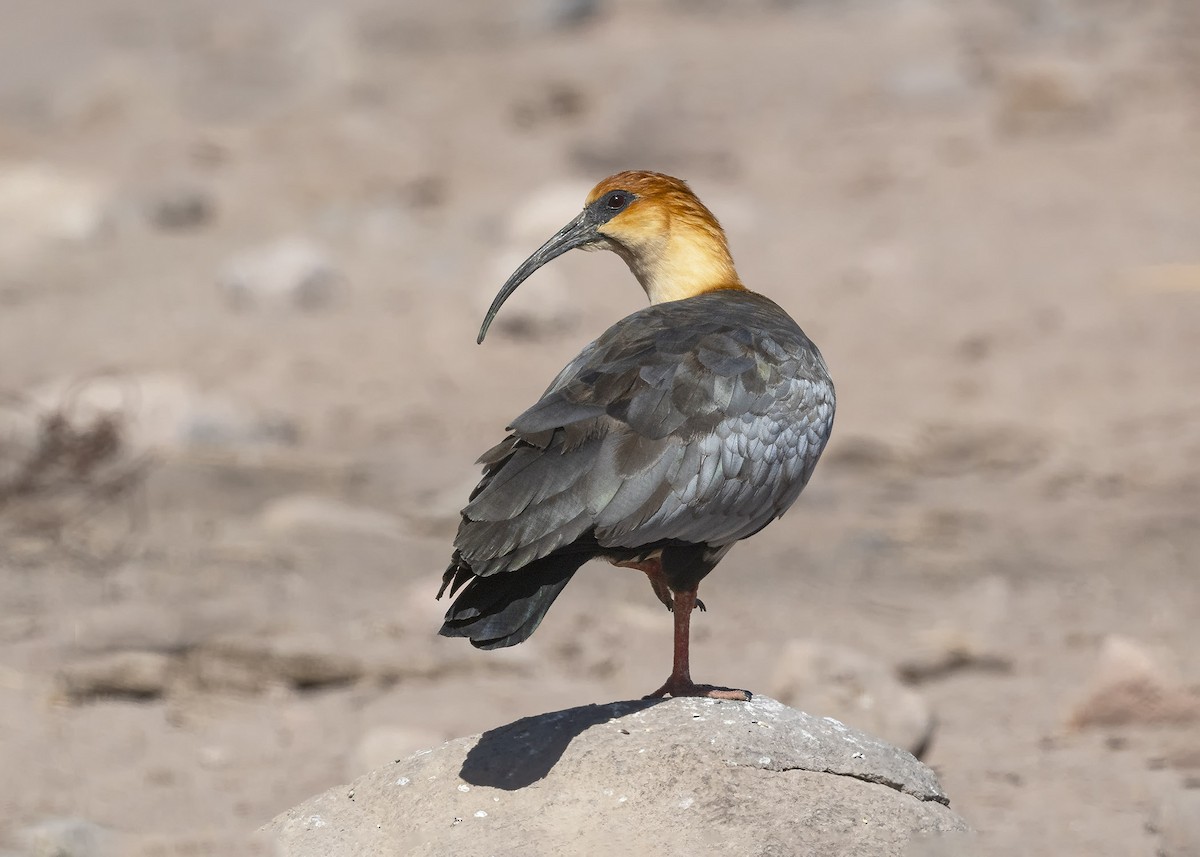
244	252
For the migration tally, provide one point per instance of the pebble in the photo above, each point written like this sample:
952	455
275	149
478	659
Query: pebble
178	207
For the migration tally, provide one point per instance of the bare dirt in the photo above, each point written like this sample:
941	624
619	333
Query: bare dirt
986	214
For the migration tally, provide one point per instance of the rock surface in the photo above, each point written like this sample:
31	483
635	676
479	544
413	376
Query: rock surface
681	776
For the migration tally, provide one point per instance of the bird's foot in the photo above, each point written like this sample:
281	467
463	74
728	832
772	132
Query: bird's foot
675	688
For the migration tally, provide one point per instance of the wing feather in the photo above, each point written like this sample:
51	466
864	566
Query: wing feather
696	421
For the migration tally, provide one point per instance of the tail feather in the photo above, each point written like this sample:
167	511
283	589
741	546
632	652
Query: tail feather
504	609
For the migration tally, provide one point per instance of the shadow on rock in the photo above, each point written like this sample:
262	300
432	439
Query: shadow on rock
520	753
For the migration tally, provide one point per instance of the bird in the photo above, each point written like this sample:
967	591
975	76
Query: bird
687	426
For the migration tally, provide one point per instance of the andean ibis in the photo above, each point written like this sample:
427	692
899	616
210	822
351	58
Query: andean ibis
684	428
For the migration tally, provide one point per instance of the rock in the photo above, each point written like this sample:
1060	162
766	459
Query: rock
387	744
946	651
179	206
1130	686
678	776
161	412
291	273
838	682
42	205
253	664
140	675
297	514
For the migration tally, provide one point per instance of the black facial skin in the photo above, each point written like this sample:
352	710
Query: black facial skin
610	205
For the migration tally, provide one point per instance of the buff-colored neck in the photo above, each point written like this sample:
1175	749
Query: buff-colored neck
682	263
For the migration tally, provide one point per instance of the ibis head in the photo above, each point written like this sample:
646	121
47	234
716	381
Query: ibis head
672	243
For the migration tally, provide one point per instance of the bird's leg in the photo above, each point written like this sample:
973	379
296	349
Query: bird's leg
658	580
680	683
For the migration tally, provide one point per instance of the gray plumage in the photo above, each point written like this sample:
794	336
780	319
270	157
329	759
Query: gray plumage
684	428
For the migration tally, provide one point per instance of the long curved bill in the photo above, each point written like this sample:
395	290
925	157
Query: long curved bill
580	232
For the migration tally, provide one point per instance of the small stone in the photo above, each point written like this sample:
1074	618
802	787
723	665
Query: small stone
291	273
141	675
832	681
1129	686
180	206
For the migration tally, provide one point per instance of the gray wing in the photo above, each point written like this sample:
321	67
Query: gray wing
667	429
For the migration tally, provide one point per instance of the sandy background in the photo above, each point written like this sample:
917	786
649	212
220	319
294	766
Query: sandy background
217	563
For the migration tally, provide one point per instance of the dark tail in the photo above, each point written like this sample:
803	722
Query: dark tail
503	609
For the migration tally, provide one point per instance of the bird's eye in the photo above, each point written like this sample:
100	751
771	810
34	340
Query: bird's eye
616	200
